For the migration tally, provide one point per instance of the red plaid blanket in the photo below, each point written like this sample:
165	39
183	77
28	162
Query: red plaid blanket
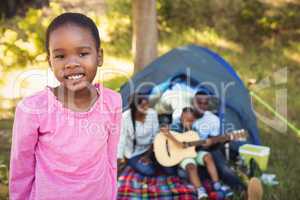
134	186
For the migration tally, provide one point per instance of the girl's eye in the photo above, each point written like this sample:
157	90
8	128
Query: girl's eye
83	54
59	56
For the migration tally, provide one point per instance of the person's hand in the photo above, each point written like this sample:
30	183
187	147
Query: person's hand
208	143
145	160
184	145
164	129
120	161
121	165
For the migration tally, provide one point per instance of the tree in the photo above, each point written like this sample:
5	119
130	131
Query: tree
144	43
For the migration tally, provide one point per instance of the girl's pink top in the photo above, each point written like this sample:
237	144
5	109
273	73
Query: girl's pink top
61	154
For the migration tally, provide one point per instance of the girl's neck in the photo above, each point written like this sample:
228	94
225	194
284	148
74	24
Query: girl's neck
79	101
140	116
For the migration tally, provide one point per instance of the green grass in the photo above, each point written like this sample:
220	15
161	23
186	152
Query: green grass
284	163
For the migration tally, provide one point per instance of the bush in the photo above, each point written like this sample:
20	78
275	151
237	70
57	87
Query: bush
120	28
251	18
22	43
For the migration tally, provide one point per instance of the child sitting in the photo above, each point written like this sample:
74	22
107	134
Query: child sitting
180	125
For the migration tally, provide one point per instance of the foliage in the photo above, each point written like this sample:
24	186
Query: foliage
9	8
3	174
120	28
22	41
252	18
23	38
115	83
237	20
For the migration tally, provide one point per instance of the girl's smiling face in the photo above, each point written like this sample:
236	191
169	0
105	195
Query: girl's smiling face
73	56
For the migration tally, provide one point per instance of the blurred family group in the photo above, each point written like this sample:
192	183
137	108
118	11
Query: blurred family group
145	119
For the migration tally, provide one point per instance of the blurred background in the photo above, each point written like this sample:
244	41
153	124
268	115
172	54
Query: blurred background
259	38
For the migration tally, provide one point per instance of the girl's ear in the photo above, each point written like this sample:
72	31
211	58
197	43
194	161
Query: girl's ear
100	57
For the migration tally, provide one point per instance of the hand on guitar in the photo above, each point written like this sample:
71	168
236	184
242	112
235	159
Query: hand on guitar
208	143
166	131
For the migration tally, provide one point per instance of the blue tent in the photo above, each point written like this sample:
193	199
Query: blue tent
210	71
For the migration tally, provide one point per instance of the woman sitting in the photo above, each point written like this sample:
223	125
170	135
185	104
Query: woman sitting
139	127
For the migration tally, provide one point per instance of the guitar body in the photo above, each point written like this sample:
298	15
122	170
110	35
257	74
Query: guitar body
168	153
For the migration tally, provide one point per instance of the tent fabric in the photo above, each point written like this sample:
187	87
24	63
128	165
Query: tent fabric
210	71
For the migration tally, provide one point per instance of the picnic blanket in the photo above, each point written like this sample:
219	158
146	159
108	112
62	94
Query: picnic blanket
134	186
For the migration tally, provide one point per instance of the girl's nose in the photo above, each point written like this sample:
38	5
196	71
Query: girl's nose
72	63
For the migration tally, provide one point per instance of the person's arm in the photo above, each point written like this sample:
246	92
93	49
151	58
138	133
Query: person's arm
123	136
22	157
166	131
121	163
175	126
154	125
214	132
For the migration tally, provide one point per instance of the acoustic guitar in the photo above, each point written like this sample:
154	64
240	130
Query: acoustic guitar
172	147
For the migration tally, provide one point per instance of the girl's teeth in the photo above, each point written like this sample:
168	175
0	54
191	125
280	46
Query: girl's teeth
74	77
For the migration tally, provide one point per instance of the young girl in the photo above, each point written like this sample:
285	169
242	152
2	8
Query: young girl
65	139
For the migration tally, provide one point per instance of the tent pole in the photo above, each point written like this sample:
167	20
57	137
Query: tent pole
278	115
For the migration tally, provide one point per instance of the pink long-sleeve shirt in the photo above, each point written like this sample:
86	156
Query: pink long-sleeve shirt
59	154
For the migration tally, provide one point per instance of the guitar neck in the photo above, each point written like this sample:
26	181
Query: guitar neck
216	139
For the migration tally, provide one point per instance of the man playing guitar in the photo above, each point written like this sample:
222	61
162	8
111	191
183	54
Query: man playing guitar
203	158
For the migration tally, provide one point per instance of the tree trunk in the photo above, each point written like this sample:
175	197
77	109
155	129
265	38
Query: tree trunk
144	33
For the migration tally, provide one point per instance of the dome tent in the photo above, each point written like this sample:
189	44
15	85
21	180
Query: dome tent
211	72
